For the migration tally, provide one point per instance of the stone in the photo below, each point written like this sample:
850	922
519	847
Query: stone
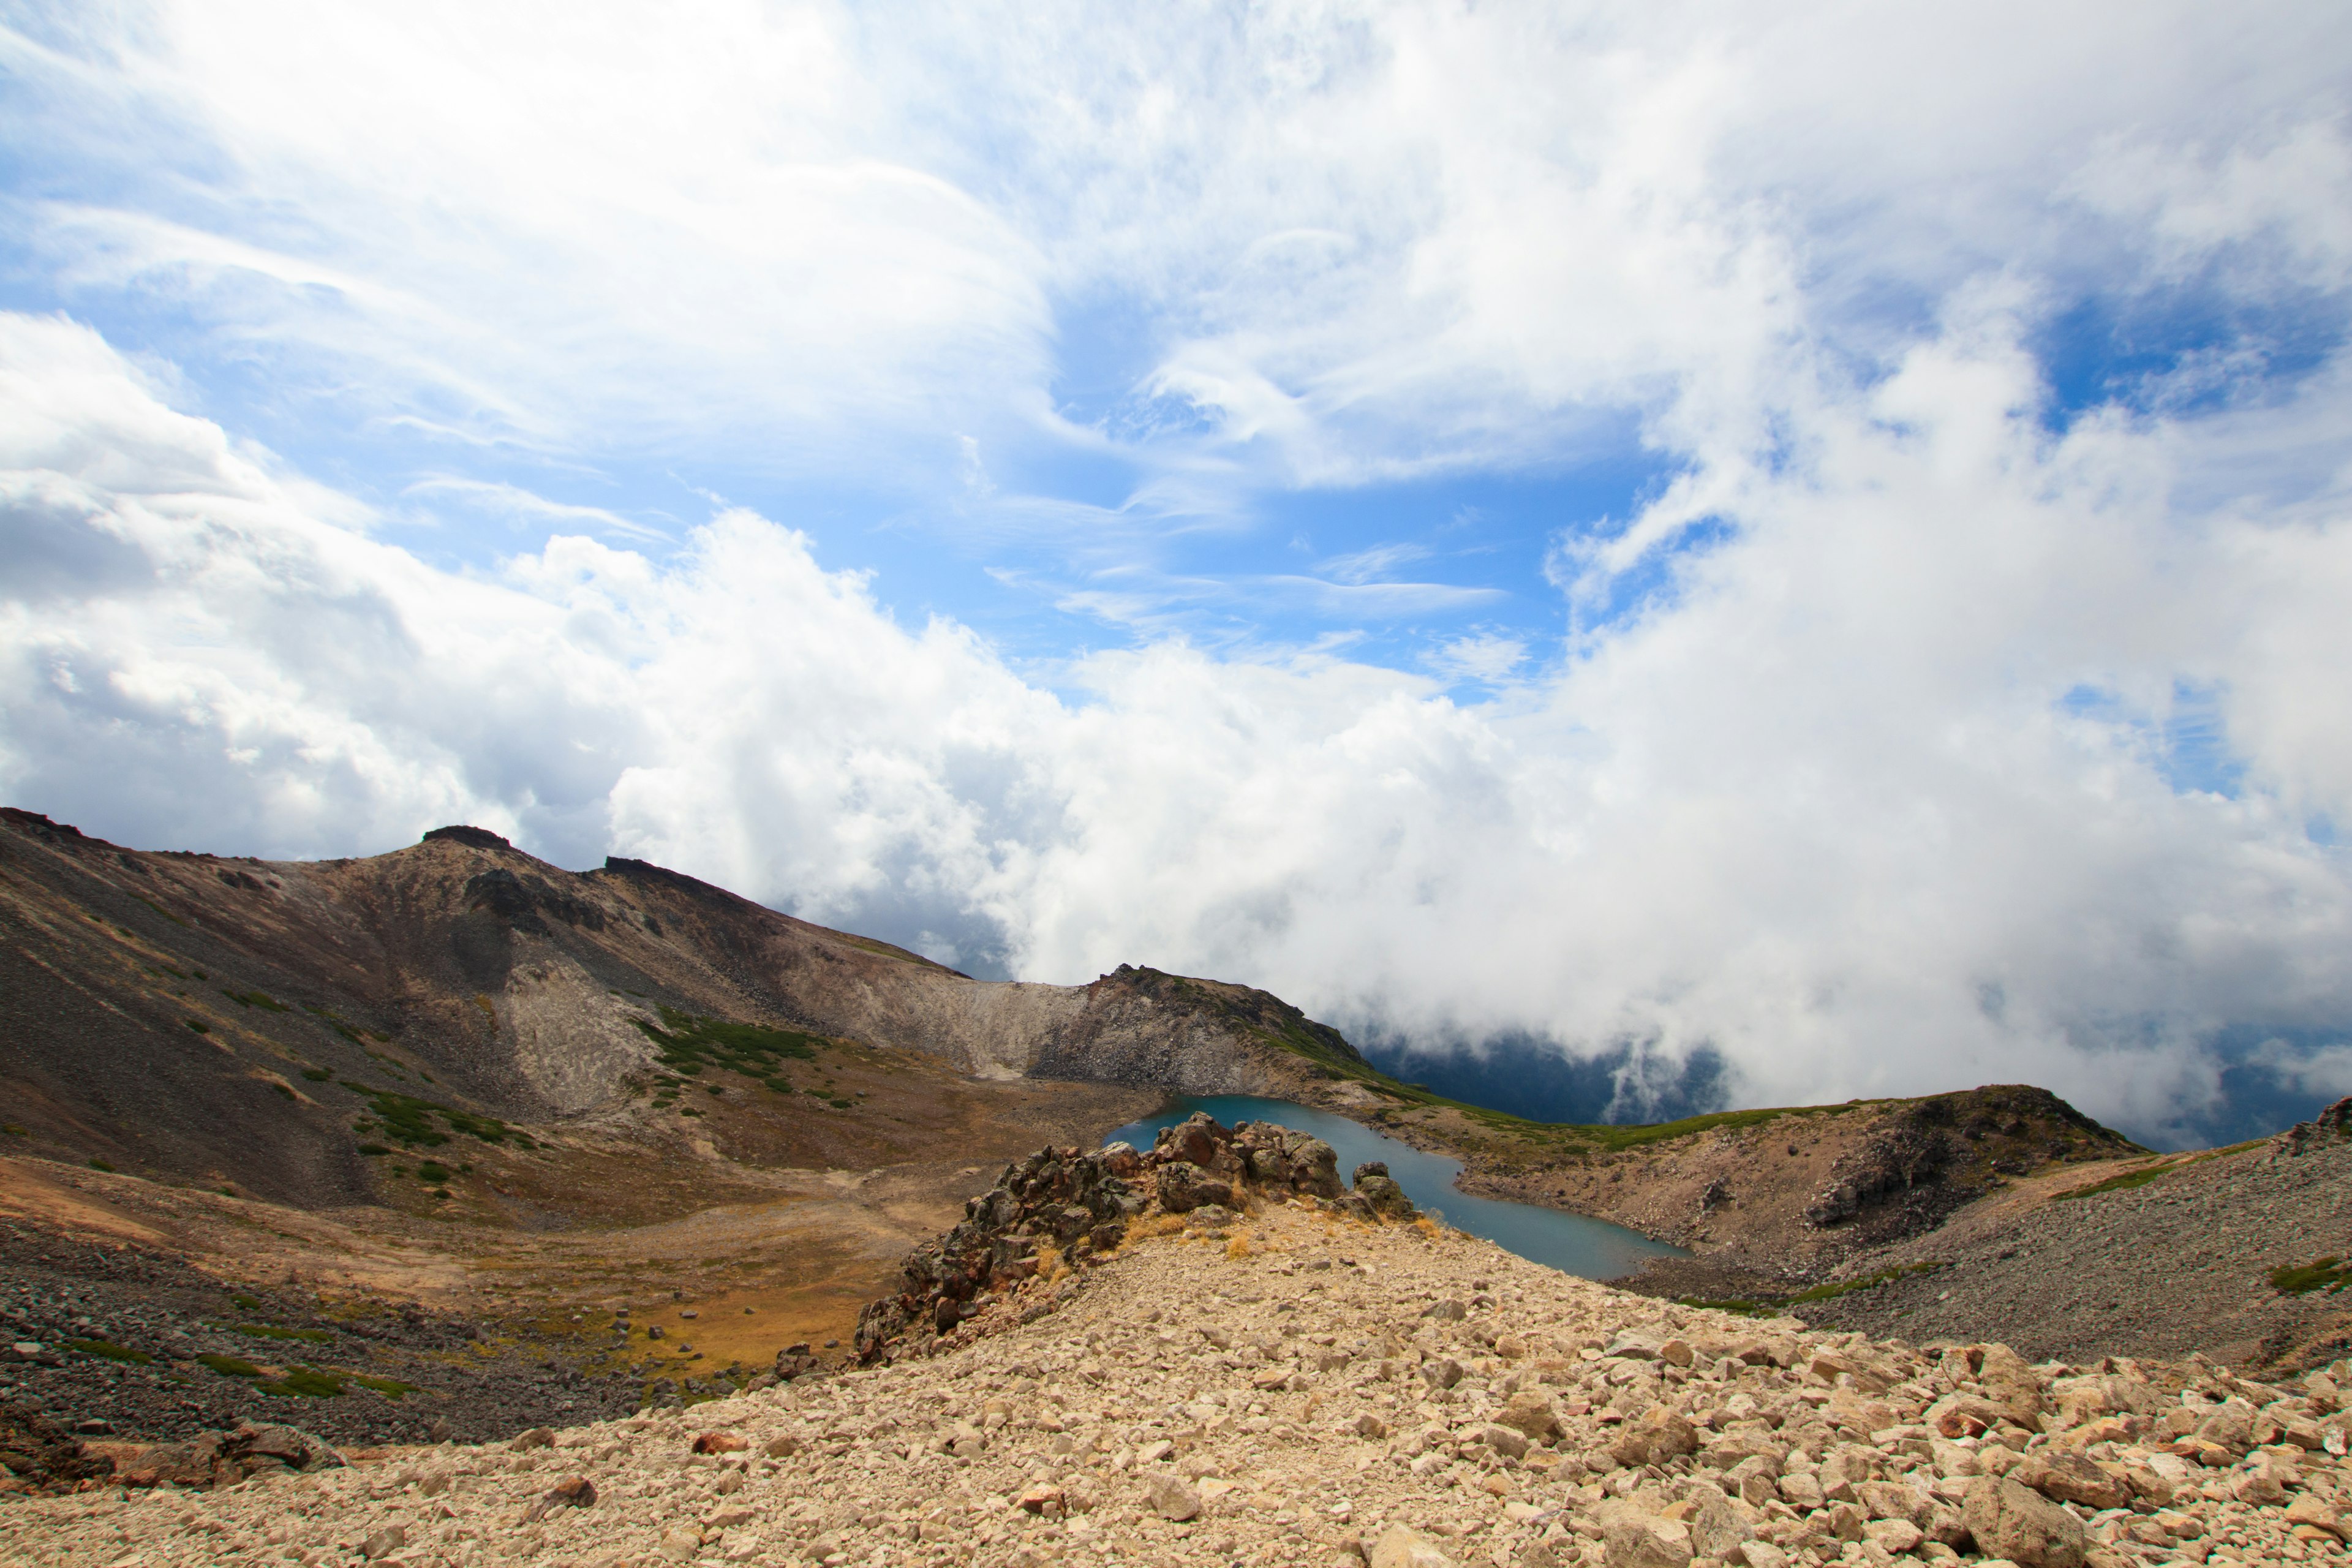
1171	1497
1449	1310
1401	1546
384	1542
680	1545
1184	1187
1801	1489
1633	1537
1654	1437
1964	1415
537	1437
1760	1554
2015	1522
2010	1384
2308	1510
1531	1414
1377	1192
721	1443
783	1447
1442	1372
2066	1477
572	1491
1370	1425
1895	1535
1043	1497
1504	1440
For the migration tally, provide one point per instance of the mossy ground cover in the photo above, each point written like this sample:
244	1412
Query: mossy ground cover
688	1044
304	1383
2329	1274
111	1351
1773	1306
272	1332
410	1121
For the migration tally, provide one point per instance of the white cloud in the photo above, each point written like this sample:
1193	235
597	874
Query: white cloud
1826	811
1861	764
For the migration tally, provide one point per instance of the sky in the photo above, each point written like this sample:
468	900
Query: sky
1767	552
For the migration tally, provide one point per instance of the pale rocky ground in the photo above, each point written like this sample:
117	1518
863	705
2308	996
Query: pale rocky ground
1304	1389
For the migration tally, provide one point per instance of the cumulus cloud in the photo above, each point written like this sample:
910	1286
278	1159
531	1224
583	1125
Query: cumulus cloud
1921	726
1830	813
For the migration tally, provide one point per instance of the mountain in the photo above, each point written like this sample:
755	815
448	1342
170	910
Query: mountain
281	1027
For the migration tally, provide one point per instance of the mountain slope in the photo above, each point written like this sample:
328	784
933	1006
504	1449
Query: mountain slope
235	1021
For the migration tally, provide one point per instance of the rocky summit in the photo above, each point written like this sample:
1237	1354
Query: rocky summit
1293	1377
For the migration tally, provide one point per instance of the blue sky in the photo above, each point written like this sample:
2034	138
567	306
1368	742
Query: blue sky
1708	533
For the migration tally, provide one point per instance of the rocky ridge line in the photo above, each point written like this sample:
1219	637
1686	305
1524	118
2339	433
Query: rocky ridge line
1061	1209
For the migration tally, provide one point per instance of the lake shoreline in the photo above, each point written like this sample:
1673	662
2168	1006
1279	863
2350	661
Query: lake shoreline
1581	1245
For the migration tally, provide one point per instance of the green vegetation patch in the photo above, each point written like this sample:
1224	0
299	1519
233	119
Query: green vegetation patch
111	1351
305	1383
1866	1282
410	1119
198	1025
432	1174
317	1075
1773	1306
261	999
98	1164
230	1365
390	1387
272	1332
2124	1183
2328	1274
688	1044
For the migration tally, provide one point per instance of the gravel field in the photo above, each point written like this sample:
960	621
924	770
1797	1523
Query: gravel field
109	1339
1294	1388
2181	1264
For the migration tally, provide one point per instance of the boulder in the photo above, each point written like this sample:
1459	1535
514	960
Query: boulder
1532	1414
1184	1187
1171	1497
2012	1521
1401	1546
1654	1437
1633	1537
1378	1191
2066	1477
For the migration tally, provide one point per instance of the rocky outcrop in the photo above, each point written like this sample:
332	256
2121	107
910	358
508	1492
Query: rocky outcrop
1061	1209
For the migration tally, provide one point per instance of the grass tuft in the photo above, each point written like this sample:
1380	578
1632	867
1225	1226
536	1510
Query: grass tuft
305	1383
110	1352
230	1365
2328	1274
272	1332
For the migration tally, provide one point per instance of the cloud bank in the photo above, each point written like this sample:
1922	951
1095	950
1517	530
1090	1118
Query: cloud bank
1839	811
1963	702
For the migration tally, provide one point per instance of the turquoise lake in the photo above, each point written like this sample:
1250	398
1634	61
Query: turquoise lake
1570	1243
